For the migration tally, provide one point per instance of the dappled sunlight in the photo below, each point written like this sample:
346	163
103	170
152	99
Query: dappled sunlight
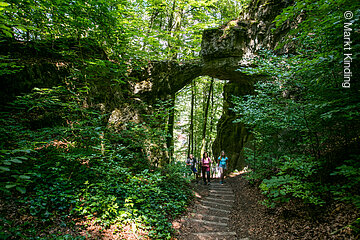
236	172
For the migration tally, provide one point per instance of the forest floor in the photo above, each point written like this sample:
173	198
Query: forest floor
229	211
251	220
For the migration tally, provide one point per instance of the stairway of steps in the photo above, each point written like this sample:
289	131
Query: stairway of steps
209	218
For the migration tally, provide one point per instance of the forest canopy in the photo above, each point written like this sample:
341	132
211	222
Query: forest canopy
169	29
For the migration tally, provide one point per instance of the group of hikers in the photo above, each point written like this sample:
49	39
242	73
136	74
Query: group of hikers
205	166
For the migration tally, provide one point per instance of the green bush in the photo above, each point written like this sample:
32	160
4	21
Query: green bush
305	124
78	167
348	181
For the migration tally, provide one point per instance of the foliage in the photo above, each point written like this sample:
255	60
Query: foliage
62	161
44	20
4	29
183	115
348	187
8	66
170	29
300	115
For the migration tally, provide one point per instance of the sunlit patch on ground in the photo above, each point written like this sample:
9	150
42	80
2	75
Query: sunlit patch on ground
91	230
236	172
197	195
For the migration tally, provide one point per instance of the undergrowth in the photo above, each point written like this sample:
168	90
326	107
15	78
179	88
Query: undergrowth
61	161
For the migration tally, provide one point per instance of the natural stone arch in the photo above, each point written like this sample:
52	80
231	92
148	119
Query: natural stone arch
163	79
223	51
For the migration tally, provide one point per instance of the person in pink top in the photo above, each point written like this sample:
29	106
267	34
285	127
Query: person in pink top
205	167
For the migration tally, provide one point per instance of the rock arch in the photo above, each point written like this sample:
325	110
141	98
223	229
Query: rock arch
223	51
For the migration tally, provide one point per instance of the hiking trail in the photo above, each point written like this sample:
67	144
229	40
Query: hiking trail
209	217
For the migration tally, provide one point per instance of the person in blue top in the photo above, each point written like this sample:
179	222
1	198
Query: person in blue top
222	164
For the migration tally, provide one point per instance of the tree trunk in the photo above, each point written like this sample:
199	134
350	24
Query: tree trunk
191	130
189	149
194	123
170	129
212	114
203	142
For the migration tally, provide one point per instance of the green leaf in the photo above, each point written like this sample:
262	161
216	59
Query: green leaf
4	169
24	177
21	189
4	4
15	160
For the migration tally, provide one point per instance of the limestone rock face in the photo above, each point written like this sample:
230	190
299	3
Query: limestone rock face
232	137
40	64
33	71
161	79
224	51
223	43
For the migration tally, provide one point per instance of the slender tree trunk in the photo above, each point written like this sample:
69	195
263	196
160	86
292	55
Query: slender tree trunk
188	150
172	28
194	123
170	139
212	114
203	142
170	129
191	131
171	17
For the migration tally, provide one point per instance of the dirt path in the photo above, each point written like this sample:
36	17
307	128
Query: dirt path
294	220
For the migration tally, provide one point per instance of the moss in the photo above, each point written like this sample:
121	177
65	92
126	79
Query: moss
228	27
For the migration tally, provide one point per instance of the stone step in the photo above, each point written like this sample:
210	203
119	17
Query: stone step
213	209
215	235
212	212
219	199
221	188
209	217
222	205
220	196
206	222
194	237
204	237
203	226
219	185
221	191
217	191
